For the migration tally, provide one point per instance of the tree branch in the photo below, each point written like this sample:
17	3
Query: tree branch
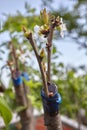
34	46
15	59
49	51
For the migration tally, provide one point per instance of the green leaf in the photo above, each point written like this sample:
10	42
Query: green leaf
61	65
32	98
20	108
5	111
54	50
27	83
10	93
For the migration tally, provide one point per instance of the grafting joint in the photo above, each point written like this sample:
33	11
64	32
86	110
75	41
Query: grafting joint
51	104
17	78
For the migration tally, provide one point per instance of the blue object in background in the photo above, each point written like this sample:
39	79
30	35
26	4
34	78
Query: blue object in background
17	81
25	75
51	104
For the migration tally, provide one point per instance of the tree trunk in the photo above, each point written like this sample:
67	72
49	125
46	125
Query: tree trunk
26	115
51	108
27	119
53	122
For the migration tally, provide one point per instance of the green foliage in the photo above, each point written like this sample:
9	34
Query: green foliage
74	93
15	23
5	111
20	108
9	97
35	89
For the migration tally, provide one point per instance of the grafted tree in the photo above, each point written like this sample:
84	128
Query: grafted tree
21	90
50	97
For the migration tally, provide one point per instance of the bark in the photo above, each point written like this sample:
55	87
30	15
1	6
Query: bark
49	51
27	119
26	115
53	122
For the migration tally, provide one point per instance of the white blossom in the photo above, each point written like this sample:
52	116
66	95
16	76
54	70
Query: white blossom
62	34
62	29
12	68
36	34
22	58
42	39
28	54
36	29
18	52
61	20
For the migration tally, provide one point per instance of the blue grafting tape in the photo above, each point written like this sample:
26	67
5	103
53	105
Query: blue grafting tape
25	75
17	81
51	104
59	99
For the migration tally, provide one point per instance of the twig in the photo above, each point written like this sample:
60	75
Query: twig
14	57
12	48
49	50
33	44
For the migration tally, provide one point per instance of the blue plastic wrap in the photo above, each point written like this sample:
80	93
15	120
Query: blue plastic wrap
51	104
17	81
25	75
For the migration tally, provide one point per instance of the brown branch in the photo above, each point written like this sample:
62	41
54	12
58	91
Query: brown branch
34	46
14	57
49	51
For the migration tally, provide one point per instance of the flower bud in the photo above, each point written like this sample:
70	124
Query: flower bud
10	63
24	29
42	53
18	52
44	16
26	32
44	67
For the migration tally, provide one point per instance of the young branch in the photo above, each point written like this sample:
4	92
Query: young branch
15	58
34	46
14	55
49	50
